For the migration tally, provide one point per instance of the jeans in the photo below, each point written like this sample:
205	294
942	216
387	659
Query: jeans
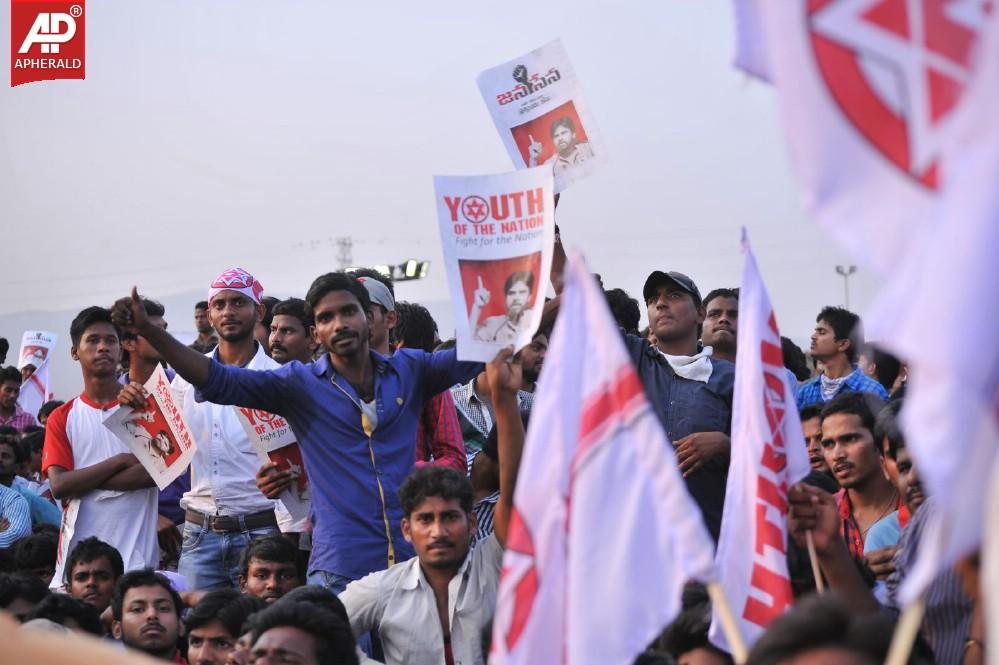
368	643
210	559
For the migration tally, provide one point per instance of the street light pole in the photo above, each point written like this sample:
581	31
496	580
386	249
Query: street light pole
846	271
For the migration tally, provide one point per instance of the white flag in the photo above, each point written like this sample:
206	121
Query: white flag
35	391
750	43
768	456
871	94
603	534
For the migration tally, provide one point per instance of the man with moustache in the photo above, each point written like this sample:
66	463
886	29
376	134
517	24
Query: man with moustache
355	413
146	615
851	453
569	149
291	332
223	510
721	323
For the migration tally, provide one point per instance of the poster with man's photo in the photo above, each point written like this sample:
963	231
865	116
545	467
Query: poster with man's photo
36	345
157	433
498	234
538	107
274	440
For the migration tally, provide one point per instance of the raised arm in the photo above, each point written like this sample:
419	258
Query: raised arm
504	376
128	313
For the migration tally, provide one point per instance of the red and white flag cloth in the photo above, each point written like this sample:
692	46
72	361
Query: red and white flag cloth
891	110
603	534
35	391
768	456
938	312
871	93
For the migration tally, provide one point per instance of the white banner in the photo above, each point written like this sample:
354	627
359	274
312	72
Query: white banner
274	440
603	534
36	345
156	434
542	118
498	234
35	391
768	456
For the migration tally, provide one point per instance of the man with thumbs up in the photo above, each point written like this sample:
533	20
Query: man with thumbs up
504	328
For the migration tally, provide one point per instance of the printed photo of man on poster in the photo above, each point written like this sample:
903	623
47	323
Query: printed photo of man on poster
569	149
504	328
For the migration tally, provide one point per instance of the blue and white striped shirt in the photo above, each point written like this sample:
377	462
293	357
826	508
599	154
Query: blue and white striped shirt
810	392
14	509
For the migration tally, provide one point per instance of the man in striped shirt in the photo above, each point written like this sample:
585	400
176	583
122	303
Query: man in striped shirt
15	518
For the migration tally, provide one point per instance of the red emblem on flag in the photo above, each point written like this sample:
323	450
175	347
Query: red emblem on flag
47	40
897	70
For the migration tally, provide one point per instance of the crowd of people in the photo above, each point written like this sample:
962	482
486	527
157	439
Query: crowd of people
412	458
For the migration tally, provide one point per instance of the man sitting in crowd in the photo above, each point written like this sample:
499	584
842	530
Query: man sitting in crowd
213	625
92	571
434	607
146	614
268	568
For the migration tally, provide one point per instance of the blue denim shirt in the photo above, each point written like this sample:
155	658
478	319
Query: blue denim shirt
810	392
685	407
354	478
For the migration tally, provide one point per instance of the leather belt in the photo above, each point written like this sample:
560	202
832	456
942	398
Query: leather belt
232	523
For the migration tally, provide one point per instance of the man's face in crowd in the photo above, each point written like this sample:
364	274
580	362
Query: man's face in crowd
721	321
672	313
8	463
149	621
888	465
201	322
439	530
867	366
909	485
517	297
9	390
812	429
93	582
233	315
849	449
269	580
27	371
382	321
532	357
210	644
290	340
824	345
342	327
284	645
99	351
564	139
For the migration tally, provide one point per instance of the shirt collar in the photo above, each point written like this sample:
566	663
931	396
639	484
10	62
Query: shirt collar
415	575
323	366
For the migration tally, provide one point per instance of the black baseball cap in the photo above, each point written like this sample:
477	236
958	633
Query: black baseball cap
658	278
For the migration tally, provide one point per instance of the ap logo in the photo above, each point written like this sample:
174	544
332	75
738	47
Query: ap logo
46	40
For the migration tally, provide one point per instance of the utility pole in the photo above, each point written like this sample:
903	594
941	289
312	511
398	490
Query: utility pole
846	271
344	256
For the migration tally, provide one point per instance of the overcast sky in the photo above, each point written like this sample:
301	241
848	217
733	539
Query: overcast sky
209	135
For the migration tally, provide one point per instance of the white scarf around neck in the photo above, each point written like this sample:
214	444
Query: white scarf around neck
696	368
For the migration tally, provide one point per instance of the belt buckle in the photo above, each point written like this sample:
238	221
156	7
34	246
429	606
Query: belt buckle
220	523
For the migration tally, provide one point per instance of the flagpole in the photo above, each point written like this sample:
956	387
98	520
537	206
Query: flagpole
729	626
820	584
905	632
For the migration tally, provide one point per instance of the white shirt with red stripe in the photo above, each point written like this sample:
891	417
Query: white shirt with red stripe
75	438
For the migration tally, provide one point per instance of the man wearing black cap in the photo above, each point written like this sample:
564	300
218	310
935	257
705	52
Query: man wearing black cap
691	391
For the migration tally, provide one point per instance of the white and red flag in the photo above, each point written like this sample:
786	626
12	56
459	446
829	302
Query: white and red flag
891	110
603	534
35	391
768	456
871	93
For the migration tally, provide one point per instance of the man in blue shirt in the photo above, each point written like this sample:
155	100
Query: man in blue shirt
690	390
355	412
837	339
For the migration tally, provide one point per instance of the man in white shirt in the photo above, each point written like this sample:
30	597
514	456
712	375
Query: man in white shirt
105	492
432	608
224	510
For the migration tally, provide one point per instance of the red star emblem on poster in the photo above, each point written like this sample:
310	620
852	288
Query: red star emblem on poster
897	69
475	209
